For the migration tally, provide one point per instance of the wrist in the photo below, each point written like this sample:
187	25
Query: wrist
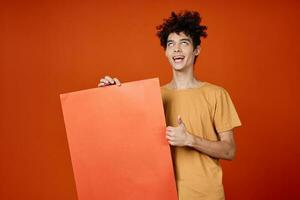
190	140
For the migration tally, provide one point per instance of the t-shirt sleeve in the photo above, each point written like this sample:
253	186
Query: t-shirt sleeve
225	115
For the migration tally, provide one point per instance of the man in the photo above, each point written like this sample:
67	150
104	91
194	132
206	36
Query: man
200	116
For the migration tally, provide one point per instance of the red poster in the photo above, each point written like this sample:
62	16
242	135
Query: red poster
117	142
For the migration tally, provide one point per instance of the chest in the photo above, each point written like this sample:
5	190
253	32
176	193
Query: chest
193	108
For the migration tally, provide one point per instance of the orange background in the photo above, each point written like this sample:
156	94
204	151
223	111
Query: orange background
53	47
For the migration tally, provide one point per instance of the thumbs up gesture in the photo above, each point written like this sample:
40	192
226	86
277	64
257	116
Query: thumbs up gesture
177	136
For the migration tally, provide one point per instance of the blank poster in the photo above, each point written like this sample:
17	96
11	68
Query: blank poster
116	137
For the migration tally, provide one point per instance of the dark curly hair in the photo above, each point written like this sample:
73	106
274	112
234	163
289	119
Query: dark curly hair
187	22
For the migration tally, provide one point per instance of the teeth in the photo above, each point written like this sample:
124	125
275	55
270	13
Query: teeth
178	58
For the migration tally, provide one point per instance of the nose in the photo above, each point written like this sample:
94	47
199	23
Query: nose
177	48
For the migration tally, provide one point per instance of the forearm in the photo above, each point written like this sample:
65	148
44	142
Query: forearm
216	149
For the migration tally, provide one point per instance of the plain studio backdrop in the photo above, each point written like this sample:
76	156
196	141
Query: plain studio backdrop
53	47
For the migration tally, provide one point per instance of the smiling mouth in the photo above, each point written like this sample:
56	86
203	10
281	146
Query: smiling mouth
178	59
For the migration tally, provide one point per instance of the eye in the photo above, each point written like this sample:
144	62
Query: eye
185	43
170	44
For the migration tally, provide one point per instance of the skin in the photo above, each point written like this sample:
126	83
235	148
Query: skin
183	78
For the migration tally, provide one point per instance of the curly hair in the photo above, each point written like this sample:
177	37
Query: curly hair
187	22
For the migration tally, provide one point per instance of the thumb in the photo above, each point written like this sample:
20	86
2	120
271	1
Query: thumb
179	121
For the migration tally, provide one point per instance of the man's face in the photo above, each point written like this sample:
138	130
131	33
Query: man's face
180	51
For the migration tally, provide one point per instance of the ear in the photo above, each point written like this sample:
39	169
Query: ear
197	50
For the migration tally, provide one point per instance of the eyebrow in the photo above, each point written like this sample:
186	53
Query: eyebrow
183	39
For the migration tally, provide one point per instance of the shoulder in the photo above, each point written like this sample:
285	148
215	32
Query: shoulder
215	93
213	89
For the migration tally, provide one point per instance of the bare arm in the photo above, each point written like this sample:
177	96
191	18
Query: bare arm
222	149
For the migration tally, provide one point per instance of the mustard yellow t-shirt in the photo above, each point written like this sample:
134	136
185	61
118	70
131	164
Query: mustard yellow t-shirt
205	111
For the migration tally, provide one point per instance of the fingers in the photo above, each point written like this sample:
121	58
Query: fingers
170	137
170	140
117	81
103	82
107	80
170	133
172	143
110	80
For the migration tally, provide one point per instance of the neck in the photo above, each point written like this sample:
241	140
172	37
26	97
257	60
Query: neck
184	79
